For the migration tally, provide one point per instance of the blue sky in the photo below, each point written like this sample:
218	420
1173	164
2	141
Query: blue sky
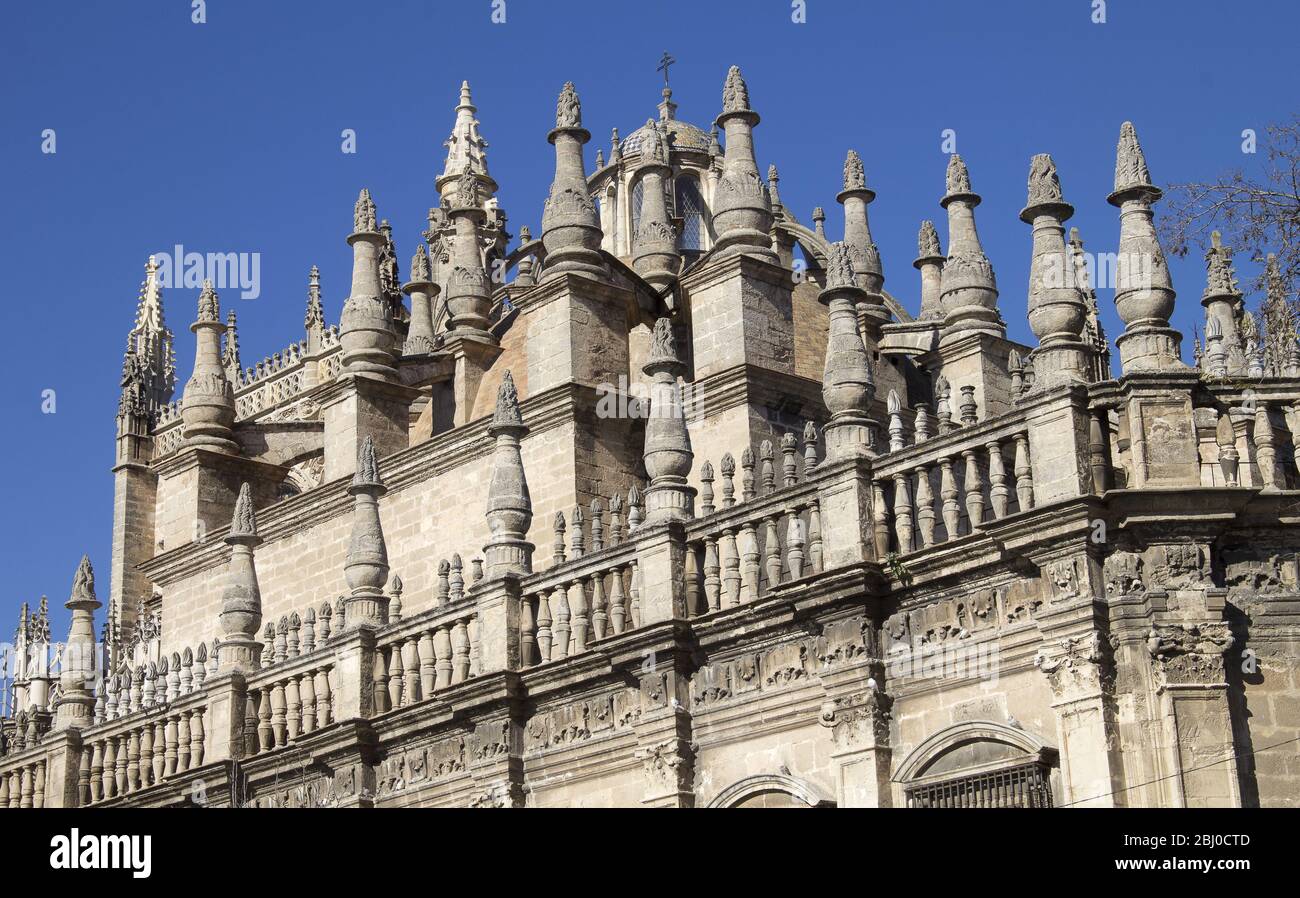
225	137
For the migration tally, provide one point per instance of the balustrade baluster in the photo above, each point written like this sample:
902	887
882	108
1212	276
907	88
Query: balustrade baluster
1024	473
265	734
924	506
324	699
948	491
459	651
307	691
772	551
974	489
795	541
396	670
581	617
902	512
380	674
527	649
279	726
182	742
544	636
560	648
159	759
442	647
730	568
411	691
879	519
815	536
749	568
292	708
634	606
712	571
998	480
196	739
617	601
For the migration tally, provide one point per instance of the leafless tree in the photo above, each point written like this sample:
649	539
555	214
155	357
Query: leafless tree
1258	213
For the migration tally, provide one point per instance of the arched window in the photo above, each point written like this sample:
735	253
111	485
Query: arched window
690	209
978	764
638	193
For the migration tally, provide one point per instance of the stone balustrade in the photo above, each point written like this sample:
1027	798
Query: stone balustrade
289	699
417	656
22	785
145	747
579	601
738	553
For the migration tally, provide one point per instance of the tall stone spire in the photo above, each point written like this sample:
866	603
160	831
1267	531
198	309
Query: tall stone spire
75	707
230	354
241	599
968	287
855	197
1222	300
314	320
570	225
654	245
1144	292
150	342
509	506
668	455
366	326
422	290
847	385
466	148
468	294
1094	333
742	215
366	568
208	406
1057	311
929	261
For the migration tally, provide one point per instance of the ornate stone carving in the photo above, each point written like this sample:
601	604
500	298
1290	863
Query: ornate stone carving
668	766
1189	654
857	721
1074	665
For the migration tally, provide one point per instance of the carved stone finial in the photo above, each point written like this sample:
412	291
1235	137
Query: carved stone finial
367	473
209	304
363	214
568	109
735	93
83	584
958	177
1130	162
927	241
1044	185
854	176
243	523
507	409
421	269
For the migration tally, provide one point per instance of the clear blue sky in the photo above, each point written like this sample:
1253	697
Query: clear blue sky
225	137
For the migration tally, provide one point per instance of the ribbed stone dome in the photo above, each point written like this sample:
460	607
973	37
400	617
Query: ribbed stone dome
682	136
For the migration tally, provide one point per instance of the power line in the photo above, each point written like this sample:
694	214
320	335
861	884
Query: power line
1151	782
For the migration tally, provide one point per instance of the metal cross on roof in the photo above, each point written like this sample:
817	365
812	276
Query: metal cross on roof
663	66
